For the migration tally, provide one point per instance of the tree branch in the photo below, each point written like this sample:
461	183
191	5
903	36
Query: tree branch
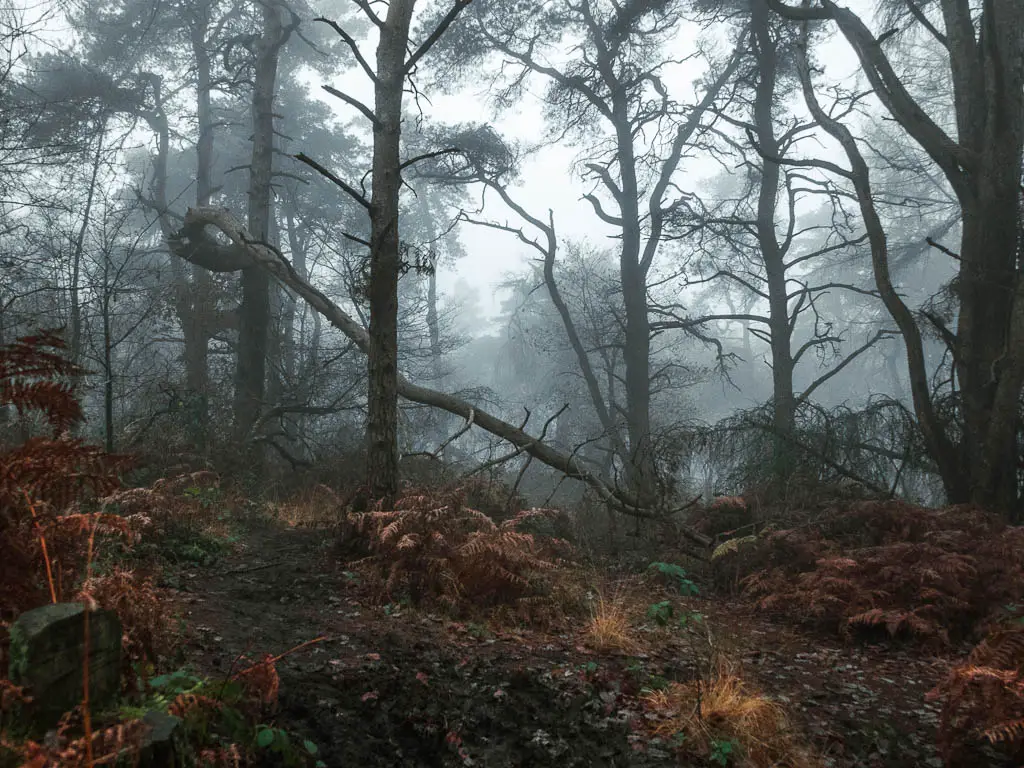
365	110
442	27
265	257
353	46
351	191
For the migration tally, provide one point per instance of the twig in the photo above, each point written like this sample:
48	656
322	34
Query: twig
300	647
251	568
465	428
42	546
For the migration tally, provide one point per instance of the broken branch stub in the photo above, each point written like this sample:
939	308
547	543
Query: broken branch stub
267	257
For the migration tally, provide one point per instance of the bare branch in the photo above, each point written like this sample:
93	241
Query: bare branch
351	191
428	156
365	110
882	334
442	27
353	46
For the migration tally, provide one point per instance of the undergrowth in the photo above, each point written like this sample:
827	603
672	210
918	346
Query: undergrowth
69	532
433	549
983	697
933	576
722	720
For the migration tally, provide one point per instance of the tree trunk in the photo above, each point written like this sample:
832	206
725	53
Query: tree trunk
254	314
772	254
640	467
433	324
385	260
108	360
197	296
75	347
988	76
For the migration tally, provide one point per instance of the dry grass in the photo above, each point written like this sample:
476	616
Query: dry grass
610	627
318	508
723	719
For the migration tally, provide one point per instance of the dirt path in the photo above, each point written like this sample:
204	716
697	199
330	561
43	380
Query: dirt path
406	689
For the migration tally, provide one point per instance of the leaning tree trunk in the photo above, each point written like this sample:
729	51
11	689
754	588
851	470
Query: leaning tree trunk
247	252
385	260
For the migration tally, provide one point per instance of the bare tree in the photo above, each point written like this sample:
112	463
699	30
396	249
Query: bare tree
984	51
394	66
609	93
762	245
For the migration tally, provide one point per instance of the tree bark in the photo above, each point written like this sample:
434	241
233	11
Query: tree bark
196	296
988	82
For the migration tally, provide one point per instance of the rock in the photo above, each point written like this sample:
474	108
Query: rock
47	656
162	745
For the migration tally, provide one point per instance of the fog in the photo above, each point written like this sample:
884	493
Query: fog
632	252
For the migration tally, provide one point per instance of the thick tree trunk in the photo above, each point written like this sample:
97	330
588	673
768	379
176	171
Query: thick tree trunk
988	83
254	314
640	468
385	259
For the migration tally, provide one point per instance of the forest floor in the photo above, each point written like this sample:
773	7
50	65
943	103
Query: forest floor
392	686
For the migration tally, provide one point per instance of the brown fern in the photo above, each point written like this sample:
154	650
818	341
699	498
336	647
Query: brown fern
51	518
983	698
435	549
911	572
43	478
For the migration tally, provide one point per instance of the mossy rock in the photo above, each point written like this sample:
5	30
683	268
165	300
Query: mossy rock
164	745
47	656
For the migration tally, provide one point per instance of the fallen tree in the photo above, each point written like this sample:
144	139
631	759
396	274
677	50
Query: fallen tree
194	244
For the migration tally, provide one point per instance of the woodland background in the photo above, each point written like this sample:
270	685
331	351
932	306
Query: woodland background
756	259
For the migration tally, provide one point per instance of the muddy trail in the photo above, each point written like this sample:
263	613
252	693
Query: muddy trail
393	687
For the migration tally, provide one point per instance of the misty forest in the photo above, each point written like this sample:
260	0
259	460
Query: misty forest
512	383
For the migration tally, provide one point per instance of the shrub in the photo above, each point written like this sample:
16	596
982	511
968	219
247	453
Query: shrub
52	515
46	481
610	626
723	516
674	577
932	574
